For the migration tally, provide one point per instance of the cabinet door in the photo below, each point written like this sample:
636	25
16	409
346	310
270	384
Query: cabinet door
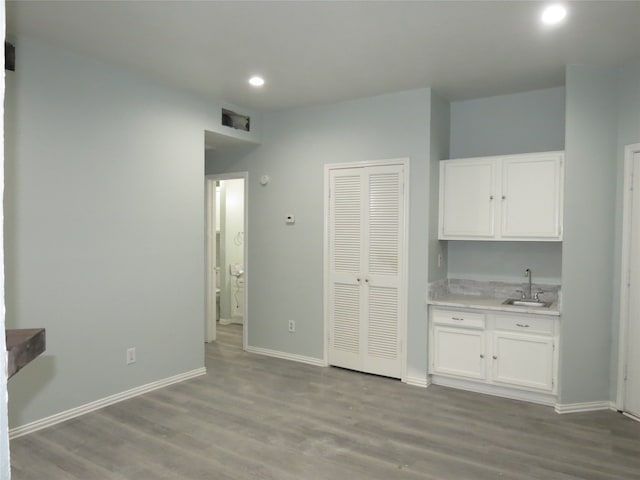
459	352
531	197
524	360
467	199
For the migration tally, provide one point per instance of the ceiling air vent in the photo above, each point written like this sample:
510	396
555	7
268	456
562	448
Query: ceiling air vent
235	120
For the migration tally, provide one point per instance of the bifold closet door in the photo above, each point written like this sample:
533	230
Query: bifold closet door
366	228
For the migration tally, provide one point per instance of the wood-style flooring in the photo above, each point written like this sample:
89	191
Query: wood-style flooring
256	417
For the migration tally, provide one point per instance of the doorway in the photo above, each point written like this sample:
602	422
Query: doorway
226	253
628	395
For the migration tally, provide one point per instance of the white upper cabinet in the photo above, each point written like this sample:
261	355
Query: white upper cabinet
467	206
514	197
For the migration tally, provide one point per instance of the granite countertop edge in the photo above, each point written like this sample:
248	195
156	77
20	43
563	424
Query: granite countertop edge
490	303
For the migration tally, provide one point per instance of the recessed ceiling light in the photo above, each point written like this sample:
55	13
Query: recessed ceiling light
553	14
256	81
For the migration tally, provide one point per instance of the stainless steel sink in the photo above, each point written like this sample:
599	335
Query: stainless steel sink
519	302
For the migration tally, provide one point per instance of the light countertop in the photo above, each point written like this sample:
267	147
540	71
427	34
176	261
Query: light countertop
490	303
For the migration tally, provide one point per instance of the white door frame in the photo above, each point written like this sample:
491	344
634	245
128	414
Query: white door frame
629	152
404	264
210	279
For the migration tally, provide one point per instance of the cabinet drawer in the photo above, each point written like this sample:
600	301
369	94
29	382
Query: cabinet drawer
458	318
541	325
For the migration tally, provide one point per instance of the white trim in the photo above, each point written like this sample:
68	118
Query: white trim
209	256
103	402
318	362
495	390
417	381
629	152
584	407
632	417
247	239
404	162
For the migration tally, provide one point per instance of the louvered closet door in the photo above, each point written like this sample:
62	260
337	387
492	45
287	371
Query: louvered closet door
383	223
366	221
345	268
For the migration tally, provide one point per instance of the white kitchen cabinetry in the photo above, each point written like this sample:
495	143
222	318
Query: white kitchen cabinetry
459	351
523	359
513	197
501	354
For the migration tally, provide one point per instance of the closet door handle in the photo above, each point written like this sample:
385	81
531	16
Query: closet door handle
358	279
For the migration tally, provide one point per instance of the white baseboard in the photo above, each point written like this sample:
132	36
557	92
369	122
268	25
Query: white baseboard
318	362
498	391
103	402
584	407
417	381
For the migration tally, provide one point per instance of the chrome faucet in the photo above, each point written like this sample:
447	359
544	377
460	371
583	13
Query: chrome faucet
527	273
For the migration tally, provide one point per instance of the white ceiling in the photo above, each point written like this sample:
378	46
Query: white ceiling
313	52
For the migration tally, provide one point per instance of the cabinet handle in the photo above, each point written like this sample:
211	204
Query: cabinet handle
366	280
481	356
504	197
495	357
490	197
522	325
358	279
458	319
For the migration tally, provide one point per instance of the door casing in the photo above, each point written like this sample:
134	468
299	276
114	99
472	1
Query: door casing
625	278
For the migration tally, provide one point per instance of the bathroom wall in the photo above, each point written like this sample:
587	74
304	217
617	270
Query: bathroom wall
232	246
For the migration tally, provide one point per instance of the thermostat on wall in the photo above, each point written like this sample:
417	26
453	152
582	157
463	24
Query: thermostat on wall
264	179
291	219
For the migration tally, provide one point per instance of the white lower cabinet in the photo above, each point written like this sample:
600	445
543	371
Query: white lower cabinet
459	351
493	350
522	359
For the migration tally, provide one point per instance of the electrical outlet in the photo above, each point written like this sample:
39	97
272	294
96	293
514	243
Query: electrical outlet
292	326
131	355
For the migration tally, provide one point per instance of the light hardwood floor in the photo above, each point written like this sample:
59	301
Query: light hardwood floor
255	417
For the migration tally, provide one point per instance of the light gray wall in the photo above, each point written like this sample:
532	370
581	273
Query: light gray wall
628	104
440	130
5	468
518	123
104	227
587	257
285	264
506	261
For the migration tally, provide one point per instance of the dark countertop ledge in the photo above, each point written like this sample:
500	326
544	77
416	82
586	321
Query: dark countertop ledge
23	345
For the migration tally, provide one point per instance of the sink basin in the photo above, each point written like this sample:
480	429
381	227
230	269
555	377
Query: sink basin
519	302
